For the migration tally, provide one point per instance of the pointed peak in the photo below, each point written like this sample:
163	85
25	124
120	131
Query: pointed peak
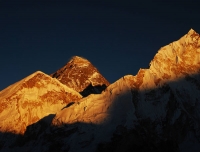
78	59
36	74
31	99
79	74
177	59
191	31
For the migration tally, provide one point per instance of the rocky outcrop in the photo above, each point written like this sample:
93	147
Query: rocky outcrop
80	75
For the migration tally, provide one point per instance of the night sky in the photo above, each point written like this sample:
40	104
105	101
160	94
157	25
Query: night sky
118	37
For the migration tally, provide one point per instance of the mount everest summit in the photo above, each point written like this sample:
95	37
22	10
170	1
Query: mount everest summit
76	109
80	75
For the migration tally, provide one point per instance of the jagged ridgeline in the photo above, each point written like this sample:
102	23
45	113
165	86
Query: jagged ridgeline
156	110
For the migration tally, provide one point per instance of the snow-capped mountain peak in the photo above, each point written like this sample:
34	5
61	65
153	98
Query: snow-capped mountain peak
80	75
178	58
32	98
172	62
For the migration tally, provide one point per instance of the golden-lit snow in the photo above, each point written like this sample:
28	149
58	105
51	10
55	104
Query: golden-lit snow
30	99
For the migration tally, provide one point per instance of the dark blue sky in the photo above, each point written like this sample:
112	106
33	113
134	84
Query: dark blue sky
118	37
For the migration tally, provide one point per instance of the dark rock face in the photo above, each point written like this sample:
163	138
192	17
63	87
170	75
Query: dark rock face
93	90
80	75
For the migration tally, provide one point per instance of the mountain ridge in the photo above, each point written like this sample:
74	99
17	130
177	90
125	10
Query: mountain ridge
170	62
155	110
31	94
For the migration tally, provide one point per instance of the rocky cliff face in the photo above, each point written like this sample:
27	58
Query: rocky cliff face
156	110
80	75
30	99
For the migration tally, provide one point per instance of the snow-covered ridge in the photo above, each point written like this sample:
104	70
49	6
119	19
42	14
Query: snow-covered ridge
32	98
36	80
178	58
106	111
172	62
94	108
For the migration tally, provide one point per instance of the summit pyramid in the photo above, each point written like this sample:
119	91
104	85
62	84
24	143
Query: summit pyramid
80	75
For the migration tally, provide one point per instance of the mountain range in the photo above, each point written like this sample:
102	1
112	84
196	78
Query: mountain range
77	109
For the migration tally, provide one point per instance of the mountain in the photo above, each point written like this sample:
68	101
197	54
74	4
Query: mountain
166	100
80	75
156	110
30	99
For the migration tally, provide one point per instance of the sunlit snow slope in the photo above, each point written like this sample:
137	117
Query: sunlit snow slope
30	99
